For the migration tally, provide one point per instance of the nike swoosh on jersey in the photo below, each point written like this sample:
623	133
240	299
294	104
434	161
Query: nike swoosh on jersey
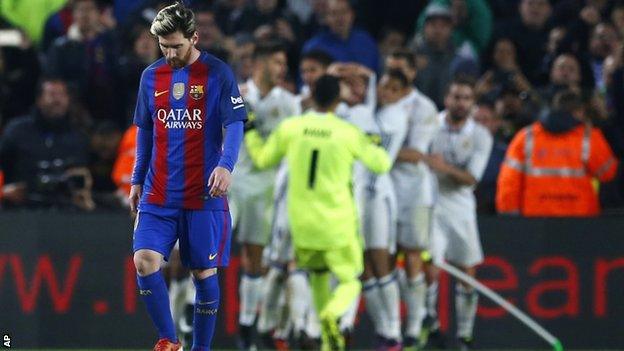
159	93
212	256
206	303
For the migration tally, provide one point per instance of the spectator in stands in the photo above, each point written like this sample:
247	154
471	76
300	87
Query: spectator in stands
142	50
505	70
485	192
228	14
266	15
56	26
342	41
266	21
564	74
87	57
311	14
517	108
211	38
549	165
104	142
529	33
617	18
603	42
437	57
44	157
242	56
390	40
554	48
472	23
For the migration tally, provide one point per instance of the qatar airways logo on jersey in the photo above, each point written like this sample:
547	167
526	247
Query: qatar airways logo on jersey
180	118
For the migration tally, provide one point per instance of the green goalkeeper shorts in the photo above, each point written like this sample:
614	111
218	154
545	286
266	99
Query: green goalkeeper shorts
346	262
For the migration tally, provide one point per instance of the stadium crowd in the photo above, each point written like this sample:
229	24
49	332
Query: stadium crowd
74	69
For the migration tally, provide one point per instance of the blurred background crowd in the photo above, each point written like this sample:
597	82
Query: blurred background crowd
70	70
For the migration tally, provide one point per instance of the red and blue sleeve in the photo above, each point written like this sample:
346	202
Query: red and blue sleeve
231	145
142	115
231	106
143	155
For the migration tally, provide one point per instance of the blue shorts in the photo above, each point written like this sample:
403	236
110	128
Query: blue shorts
204	235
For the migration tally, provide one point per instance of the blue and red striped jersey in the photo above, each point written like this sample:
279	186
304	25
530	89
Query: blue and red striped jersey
186	109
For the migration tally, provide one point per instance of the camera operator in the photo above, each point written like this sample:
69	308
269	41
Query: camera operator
43	156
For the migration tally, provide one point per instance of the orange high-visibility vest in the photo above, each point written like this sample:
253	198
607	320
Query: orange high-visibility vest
122	169
546	174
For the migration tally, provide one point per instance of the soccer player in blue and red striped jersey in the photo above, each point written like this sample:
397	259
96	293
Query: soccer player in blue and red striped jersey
190	118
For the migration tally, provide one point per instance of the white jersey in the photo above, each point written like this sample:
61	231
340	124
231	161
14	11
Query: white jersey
269	111
374	194
415	183
388	127
467	148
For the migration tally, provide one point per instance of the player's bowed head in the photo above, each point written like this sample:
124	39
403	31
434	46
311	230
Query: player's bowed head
175	28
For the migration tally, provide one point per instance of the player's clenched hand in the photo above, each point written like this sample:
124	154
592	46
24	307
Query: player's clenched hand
134	197
219	181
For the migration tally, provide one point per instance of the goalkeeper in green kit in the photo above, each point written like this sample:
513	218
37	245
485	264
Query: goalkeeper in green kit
320	149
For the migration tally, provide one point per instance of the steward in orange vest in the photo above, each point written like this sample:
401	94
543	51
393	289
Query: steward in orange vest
550	164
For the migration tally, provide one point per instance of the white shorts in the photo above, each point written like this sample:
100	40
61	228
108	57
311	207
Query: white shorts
414	227
280	250
251	213
455	238
378	220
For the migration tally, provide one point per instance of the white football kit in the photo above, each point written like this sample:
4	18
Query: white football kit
375	193
414	184
455	235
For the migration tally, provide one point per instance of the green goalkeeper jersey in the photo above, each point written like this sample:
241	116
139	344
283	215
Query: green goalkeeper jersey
320	149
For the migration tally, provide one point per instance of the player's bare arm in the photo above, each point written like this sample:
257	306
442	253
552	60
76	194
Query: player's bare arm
437	163
410	155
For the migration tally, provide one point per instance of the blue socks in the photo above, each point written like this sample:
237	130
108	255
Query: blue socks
205	313
153	291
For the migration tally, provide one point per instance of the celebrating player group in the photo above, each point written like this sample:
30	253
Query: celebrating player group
333	189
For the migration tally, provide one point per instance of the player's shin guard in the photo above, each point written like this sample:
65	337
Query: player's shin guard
415	291
298	299
466	301
389	290
250	296
431	301
153	291
205	313
269	309
374	305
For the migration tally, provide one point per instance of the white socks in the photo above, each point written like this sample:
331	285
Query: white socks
299	299
272	290
414	293
374	305
466	301
389	291
250	295
431	300
383	305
